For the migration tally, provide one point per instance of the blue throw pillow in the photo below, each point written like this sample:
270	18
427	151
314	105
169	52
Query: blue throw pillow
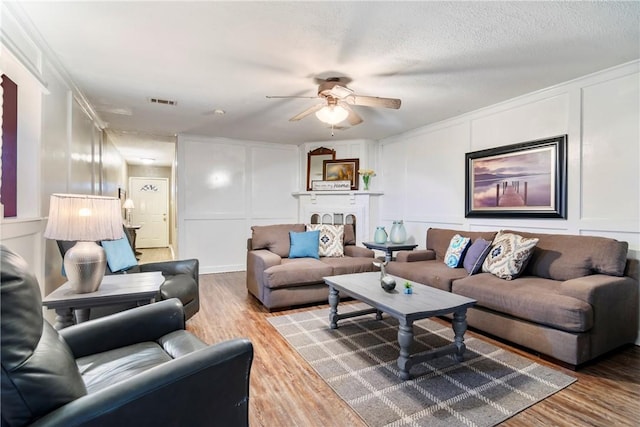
455	251
120	256
305	244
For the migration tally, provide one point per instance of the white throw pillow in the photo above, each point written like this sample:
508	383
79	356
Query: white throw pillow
509	255
331	237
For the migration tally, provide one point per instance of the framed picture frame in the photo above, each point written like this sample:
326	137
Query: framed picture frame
341	170
315	165
525	180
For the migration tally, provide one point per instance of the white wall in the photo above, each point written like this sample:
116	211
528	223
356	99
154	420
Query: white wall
423	171
224	187
60	146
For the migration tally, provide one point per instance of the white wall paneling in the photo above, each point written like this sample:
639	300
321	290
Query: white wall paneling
224	187
611	149
424	169
271	166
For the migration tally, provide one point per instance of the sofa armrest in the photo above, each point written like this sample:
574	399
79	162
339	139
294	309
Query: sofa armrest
615	308
598	289
173	268
417	255
358	252
146	323
164	395
257	262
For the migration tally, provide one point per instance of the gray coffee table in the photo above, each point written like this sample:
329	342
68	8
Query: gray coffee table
141	288
424	302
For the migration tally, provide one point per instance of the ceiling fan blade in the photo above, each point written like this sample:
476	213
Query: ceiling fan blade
289	96
306	112
353	118
373	101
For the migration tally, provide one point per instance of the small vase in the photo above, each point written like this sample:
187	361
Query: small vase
380	235
398	233
365	179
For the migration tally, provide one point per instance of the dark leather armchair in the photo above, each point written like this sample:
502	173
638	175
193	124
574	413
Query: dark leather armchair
181	278
137	368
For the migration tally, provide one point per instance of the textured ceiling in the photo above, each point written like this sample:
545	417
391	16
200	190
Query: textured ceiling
441	58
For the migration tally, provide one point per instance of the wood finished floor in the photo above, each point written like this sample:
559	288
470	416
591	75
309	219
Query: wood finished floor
285	391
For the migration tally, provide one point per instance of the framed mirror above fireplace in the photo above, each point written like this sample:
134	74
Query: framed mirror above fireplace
315	162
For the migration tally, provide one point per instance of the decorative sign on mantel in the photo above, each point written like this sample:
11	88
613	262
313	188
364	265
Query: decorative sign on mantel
330	185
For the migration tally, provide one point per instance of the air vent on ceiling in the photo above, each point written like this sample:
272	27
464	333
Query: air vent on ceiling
162	101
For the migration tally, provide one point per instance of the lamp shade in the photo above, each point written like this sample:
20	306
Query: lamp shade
82	217
128	204
332	114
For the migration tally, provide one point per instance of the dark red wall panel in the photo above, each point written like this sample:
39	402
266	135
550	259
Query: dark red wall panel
8	193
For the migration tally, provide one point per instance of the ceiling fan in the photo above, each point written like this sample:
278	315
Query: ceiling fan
337	101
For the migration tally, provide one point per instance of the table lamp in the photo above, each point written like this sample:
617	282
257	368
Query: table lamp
85	219
128	205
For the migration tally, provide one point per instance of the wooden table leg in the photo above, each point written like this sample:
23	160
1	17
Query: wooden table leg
405	339
459	324
64	318
83	314
333	302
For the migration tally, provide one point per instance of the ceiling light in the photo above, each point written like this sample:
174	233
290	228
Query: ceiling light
219	112
147	161
332	114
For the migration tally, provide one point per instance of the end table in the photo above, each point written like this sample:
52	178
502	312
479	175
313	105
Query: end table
388	248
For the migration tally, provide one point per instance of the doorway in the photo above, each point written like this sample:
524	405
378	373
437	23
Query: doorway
151	210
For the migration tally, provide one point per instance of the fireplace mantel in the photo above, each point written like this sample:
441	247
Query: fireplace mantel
361	204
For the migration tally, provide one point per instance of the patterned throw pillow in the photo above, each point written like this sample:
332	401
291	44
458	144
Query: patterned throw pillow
330	239
455	251
509	255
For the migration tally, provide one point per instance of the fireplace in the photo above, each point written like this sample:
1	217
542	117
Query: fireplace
359	208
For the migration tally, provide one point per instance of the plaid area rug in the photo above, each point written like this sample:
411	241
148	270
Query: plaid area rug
358	360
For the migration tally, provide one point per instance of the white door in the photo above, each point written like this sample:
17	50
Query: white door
151	209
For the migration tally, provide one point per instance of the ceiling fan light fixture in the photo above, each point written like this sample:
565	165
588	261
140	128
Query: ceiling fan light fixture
332	114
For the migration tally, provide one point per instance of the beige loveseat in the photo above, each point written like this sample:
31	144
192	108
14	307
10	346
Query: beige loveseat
279	281
576	299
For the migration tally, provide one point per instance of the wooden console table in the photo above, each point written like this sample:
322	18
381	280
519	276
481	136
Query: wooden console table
141	288
132	230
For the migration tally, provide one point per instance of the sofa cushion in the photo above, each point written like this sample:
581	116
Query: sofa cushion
565	257
274	237
455	252
296	272
331	237
348	265
349	235
509	255
475	255
304	244
438	239
434	273
101	370
530	298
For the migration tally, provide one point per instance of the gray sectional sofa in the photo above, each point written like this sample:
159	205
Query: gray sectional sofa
576	299
279	281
